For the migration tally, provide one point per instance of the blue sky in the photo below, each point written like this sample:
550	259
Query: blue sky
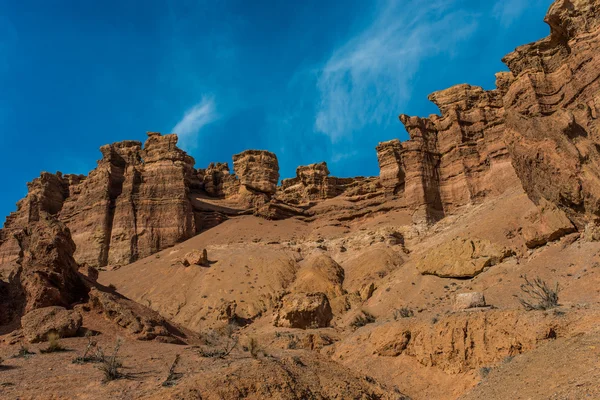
310	80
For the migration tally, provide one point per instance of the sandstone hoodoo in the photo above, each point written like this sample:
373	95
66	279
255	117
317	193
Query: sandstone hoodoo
467	268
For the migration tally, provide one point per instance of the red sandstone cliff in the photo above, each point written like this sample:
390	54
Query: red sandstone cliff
537	129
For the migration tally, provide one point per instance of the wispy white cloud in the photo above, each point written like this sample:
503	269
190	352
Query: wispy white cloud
194	119
368	79
507	11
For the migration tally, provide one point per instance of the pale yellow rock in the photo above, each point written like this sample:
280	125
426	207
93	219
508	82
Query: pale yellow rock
461	258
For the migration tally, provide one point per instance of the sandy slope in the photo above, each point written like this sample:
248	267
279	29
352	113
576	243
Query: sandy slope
253	262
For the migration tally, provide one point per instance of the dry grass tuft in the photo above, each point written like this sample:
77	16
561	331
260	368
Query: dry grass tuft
538	295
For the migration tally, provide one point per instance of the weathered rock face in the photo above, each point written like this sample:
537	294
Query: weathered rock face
217	181
153	210
461	258
257	170
45	194
539	127
48	273
312	182
133	204
89	209
453	159
391	169
552	110
304	310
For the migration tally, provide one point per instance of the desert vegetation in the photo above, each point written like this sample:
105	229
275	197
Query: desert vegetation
537	294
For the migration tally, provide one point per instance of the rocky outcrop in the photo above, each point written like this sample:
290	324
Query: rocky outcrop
304	310
46	194
217	181
460	342
257	170
548	225
538	128
138	321
552	109
453	159
153	210
391	169
461	258
312	183
47	274
134	203
38	324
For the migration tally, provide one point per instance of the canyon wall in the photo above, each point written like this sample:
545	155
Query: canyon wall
138	200
552	110
537	130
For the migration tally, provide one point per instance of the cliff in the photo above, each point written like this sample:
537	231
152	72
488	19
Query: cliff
537	130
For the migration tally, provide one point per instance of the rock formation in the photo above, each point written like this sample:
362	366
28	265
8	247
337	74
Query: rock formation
451	160
257	170
391	169
552	108
540	124
461	258
39	323
537	129
312	182
217	181
47	272
304	311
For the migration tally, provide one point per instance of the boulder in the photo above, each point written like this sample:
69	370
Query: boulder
319	273
195	257
464	301
461	258
304	311
549	225
37	324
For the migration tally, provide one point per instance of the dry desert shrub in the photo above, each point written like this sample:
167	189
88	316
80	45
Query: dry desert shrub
23	352
110	365
403	312
87	356
362	319
484	372
53	344
538	295
220	343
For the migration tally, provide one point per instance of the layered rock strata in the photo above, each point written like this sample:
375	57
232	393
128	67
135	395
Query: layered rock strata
138	200
552	109
453	159
313	183
538	129
539	125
